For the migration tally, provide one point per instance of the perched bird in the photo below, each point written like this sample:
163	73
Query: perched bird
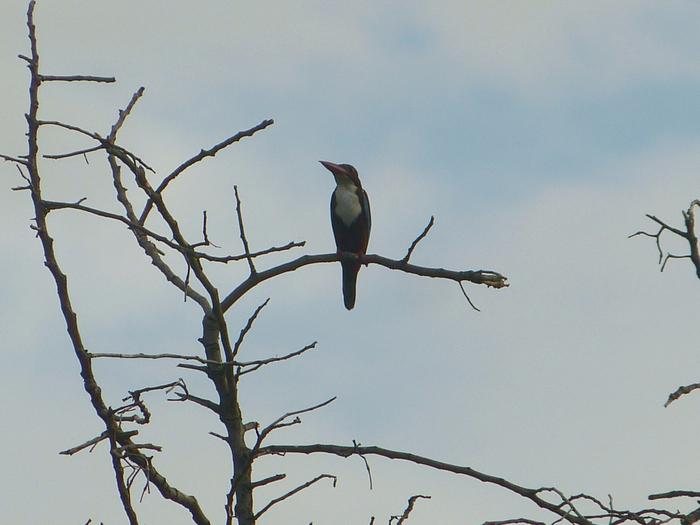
351	222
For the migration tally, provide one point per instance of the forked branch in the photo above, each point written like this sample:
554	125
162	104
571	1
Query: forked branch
688	235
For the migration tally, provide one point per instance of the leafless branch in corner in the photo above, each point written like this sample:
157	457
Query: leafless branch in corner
682	390
688	234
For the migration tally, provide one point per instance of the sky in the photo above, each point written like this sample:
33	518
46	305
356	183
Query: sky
538	134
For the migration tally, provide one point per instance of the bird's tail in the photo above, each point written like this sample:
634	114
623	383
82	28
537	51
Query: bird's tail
350	271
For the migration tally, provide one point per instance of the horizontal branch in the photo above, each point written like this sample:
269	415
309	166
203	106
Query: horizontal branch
73	153
487	277
346	451
106	144
76	78
152	356
233	258
675	494
23	162
53	205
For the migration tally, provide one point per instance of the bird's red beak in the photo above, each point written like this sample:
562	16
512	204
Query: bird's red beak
335	169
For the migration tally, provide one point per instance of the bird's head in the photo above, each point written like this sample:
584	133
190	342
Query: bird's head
345	174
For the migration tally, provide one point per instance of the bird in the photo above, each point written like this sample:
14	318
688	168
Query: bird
351	221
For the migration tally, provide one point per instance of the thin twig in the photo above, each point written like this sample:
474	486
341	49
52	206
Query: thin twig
262	362
53	205
468	299
247	327
294	491
276	423
113	148
266	481
369	472
232	258
418	239
123	114
73	153
242	232
88	443
202	155
13	159
205	236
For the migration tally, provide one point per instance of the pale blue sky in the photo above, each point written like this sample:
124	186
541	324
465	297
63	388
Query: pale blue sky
537	133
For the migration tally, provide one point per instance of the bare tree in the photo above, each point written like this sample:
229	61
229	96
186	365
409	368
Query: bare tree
689	236
246	440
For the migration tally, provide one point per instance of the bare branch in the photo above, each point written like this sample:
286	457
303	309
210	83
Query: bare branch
468	299
277	422
13	159
122	486
29	182
294	491
486	277
88	443
257	364
243	364
418	239
345	451
112	148
202	155
675	494
409	508
76	78
682	390
53	205
515	521
73	153
266	481
124	114
369	471
149	356
147	245
247	328
205	236
242	232
688	235
231	258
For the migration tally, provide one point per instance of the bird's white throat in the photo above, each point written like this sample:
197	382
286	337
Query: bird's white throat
347	203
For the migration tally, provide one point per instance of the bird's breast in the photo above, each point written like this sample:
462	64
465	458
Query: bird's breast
347	205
